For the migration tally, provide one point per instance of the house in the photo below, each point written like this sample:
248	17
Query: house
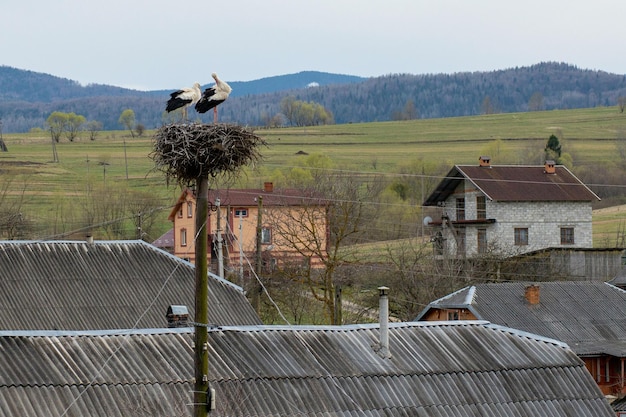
589	316
515	209
101	285
286	214
461	369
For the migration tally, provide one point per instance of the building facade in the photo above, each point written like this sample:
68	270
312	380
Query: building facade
510	209
282	225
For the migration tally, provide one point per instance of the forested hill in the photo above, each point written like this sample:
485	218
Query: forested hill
27	98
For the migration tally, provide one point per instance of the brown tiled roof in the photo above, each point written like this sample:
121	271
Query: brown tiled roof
515	183
249	197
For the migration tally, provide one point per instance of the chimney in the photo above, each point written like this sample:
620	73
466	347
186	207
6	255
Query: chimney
484	161
89	238
268	187
177	316
549	167
383	293
532	294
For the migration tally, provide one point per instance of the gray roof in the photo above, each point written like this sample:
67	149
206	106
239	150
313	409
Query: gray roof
435	369
589	316
75	285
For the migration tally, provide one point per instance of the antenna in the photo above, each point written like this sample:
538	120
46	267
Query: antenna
427	220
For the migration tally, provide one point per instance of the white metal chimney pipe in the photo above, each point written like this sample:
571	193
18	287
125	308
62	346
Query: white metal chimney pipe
383	293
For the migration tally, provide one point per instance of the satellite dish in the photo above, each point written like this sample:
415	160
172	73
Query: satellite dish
427	220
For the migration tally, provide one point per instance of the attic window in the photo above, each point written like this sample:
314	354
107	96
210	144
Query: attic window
241	212
189	209
453	315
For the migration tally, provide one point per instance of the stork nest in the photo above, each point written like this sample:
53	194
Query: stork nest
185	152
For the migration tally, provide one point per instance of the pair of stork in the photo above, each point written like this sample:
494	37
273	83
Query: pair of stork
203	101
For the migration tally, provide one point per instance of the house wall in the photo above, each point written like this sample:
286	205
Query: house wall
435	314
244	229
608	372
543	220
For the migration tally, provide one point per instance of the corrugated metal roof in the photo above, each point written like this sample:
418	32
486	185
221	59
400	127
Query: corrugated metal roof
436	369
75	285
589	316
515	183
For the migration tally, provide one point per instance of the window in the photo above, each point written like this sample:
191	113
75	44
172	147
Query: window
481	234
521	236
266	236
189	209
180	213
567	235
481	207
183	237
460	209
453	315
241	212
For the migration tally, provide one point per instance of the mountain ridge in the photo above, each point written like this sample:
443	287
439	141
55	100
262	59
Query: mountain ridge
27	97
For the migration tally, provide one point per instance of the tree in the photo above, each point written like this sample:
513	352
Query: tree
127	119
345	213
553	149
140	129
57	122
73	125
536	102
621	103
408	113
93	127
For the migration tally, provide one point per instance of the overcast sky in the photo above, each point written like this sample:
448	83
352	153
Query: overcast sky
167	44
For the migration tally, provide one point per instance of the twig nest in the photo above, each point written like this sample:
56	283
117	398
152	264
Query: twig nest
187	151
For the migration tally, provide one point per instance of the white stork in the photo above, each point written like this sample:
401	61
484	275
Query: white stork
184	98
213	96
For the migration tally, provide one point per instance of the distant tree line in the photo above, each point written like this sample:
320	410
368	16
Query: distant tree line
544	86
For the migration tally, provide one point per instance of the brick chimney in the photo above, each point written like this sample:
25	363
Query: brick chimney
268	187
549	167
177	316
484	161
532	294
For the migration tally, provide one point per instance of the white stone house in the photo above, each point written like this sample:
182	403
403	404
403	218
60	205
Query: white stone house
512	209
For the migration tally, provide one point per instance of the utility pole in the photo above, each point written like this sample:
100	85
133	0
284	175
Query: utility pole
256	287
241	250
202	299
220	258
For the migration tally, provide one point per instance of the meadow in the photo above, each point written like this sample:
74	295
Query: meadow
116	159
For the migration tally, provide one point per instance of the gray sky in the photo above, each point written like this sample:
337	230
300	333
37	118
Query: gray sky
167	44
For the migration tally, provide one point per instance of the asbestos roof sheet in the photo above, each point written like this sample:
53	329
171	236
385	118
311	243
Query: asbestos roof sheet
515	183
435	369
589	316
76	285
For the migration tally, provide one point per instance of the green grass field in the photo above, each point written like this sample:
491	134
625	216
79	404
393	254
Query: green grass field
588	135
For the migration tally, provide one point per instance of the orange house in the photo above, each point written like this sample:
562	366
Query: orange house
293	227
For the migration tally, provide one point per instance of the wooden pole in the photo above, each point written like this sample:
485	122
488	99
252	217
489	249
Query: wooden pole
202	299
256	286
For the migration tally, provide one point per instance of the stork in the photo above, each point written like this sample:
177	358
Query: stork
184	98
213	96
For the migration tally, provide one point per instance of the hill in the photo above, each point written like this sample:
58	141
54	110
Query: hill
27	98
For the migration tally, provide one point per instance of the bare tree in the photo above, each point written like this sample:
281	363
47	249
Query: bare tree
302	230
